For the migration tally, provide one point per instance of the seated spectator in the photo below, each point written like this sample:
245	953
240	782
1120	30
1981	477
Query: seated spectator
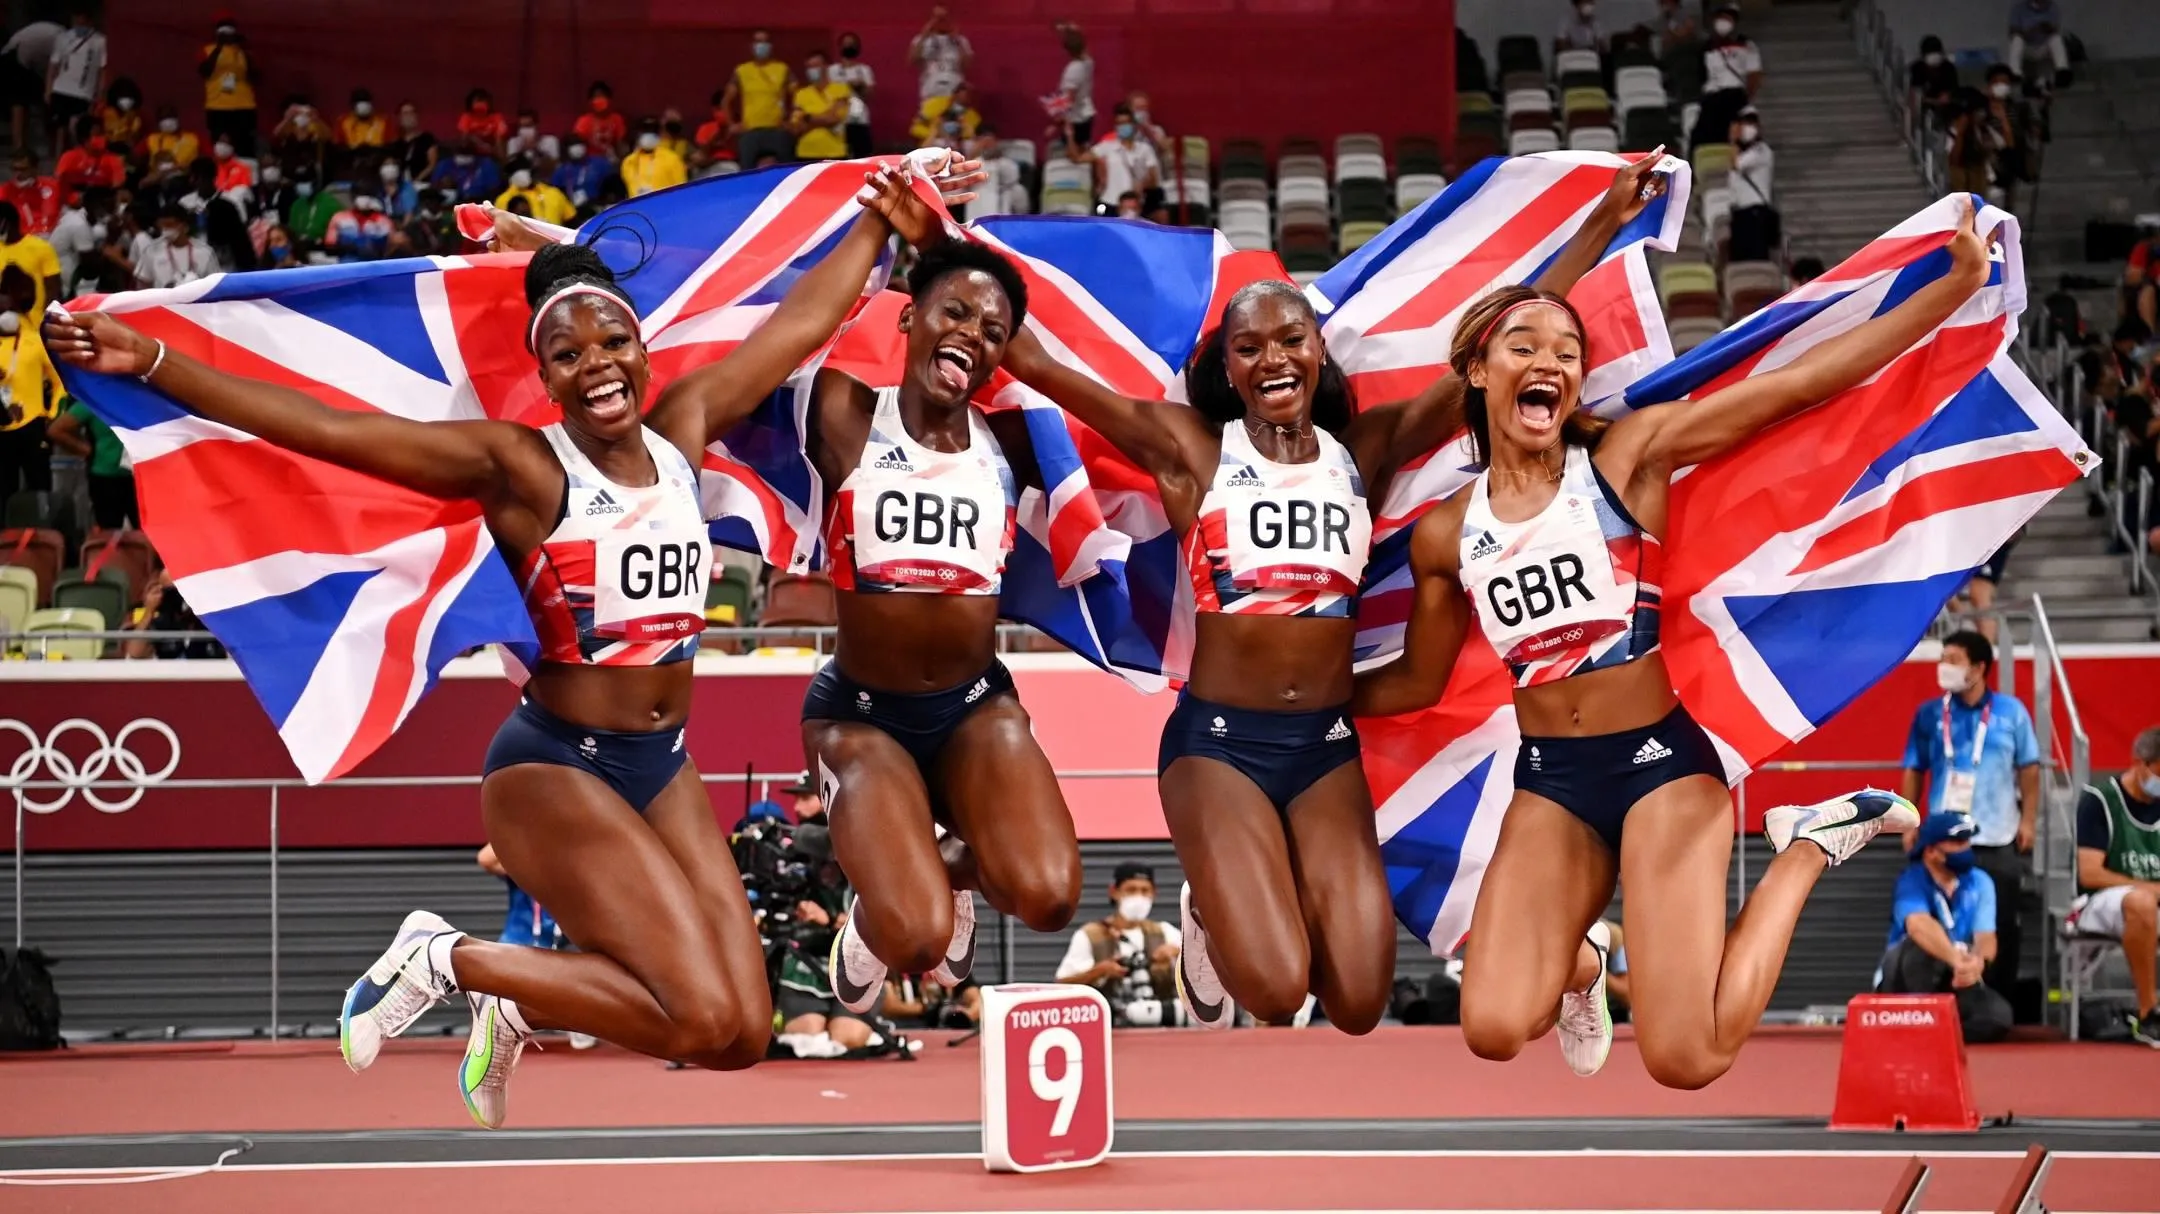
951	116
111	474
651	167
312	210
233	173
121	115
1978	752
548	204
91	162
432	230
279	251
1932	81
527	141
601	127
36	198
400	198
178	256
2037	25
758	92
30	393
362	130
164	611
1757	231
2118	865
1942	928
1128	205
302	137
168	139
1128	956
33	256
861	81
225	230
1125	162
1579	30
912	1002
820	110
416	150
473	175
361	232
480	126
1732	72
581	174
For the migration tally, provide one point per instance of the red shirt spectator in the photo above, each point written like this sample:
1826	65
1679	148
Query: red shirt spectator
37	199
481	124
716	138
600	126
90	164
232	172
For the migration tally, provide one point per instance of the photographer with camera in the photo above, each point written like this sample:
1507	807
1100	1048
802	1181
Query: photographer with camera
919	1001
1129	957
799	898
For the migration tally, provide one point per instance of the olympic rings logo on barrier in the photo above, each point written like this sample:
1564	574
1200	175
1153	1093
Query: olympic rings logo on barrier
113	752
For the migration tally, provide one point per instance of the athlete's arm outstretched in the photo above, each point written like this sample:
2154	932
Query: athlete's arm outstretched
1439	620
1162	438
460	459
1385	437
1667	437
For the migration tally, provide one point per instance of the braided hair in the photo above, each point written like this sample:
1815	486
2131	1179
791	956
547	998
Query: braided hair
557	267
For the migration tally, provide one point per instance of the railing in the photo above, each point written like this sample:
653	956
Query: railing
1886	61
2126	499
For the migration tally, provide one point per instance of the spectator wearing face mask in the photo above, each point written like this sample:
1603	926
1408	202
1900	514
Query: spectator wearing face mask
1932	81
121	115
2009	134
36	198
363	132
1580	31
1944	933
78	233
1143	115
228	72
471	174
527	140
312	209
2118	865
400	198
548	204
851	71
279	251
1756	228
416	149
1125	162
1977	752
233	173
273	194
1732	71
170	139
481	125
820	110
29	392
952	118
301	137
1128	205
1130	956
758	94
582	173
361	232
1073	104
91	162
651	167
177	256
601	126
75	76
2038	24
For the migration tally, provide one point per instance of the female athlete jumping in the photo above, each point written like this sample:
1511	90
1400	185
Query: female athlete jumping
588	797
1553	551
1267	478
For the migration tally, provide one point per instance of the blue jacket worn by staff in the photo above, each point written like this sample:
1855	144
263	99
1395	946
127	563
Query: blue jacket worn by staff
1972	752
1966	911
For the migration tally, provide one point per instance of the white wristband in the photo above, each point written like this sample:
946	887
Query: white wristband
155	363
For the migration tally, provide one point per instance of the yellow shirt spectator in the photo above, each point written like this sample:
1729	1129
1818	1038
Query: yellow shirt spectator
33	389
38	260
226	85
760	85
643	172
354	131
929	122
182	144
827	101
549	205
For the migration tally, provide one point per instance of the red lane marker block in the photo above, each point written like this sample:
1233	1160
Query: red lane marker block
1045	1077
1903	1066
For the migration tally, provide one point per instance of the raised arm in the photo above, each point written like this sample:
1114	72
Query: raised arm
1439	621
1385	437
475	459
1674	436
1162	438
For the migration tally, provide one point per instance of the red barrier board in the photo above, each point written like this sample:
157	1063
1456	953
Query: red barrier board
1903	1066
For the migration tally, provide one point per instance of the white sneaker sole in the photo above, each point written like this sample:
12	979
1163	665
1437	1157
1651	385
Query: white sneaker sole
361	1034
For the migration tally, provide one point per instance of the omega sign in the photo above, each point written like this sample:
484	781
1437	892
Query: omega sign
1906	1018
77	753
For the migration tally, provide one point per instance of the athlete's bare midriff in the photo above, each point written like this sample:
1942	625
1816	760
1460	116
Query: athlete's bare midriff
1272	663
622	699
912	643
1614	700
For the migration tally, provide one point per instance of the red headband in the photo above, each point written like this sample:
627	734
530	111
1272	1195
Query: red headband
1512	310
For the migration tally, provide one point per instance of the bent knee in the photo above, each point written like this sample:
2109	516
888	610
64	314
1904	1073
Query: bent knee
1040	892
1493	1038
2141	905
1687	1066
1275	1002
706	1025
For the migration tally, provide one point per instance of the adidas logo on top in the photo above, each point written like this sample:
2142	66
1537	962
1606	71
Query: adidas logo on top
1244	478
980	689
1486	546
603	503
1340	733
1652	751
894	460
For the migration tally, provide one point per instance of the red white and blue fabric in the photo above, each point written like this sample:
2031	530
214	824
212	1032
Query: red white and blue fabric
1800	568
341	596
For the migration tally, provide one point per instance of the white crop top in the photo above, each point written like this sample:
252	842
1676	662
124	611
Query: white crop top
1570	590
1280	539
912	519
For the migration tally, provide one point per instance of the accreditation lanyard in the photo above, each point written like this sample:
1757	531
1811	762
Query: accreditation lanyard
1958	785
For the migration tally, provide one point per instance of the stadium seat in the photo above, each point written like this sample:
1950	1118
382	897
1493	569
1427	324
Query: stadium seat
1594	139
41	550
1362	198
1303	225
1579	118
1299	145
1577	99
1419	153
127	551
1638	82
1196	153
1192	190
1292	191
1538	139
1632	54
1527	101
1301	164
1519	53
1248	224
1358	145
1357	233
18	597
105	594
1747	303
1647	128
1716	206
1517	81
1686	277
1241	189
1470	103
800	601
1690	332
1712	160
47	634
731	588
1578	61
1244	158
1068	188
29	508
1360	166
1414	188
1753	276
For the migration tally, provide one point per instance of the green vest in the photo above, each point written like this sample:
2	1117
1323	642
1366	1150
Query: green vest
2133	847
